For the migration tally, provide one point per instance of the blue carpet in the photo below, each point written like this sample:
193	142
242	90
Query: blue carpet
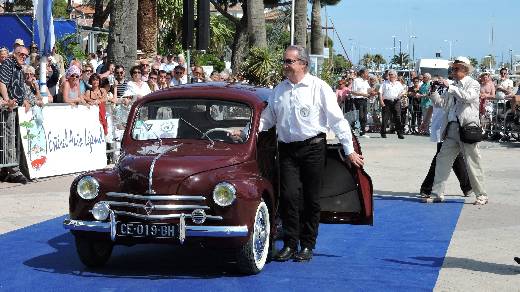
404	250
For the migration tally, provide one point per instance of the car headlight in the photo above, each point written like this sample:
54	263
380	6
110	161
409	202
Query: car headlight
88	188
224	194
101	211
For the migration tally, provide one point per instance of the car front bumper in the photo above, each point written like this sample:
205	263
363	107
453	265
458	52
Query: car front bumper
184	230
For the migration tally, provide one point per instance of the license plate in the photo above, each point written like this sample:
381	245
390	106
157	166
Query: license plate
140	229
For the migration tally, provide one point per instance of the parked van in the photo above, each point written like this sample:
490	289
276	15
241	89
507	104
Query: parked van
433	66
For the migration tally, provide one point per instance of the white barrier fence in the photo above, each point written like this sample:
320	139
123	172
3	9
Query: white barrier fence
60	139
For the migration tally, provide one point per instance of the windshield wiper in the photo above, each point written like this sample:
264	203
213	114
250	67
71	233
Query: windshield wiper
198	130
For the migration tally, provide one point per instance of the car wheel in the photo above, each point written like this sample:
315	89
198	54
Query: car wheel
93	253
252	256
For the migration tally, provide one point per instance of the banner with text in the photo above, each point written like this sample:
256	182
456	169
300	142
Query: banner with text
60	139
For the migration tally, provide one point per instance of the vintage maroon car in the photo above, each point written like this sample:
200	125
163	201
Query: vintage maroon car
181	179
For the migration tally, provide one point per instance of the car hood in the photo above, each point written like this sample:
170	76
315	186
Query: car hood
169	165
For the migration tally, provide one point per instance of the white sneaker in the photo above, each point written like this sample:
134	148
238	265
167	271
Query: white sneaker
364	136
481	200
433	199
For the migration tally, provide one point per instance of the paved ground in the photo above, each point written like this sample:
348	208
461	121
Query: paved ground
480	256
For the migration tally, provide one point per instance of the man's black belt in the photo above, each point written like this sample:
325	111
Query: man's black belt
313	140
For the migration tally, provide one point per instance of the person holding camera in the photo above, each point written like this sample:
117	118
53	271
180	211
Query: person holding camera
460	102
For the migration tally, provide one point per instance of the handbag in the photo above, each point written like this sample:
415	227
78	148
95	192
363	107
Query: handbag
470	133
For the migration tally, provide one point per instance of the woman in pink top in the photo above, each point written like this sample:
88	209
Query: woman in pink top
342	91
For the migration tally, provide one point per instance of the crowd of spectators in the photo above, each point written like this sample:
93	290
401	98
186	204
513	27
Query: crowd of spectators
96	81
361	91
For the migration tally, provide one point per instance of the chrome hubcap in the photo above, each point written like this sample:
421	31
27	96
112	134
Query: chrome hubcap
261	234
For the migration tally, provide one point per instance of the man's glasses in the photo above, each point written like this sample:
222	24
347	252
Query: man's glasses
87	71
289	61
136	72
23	55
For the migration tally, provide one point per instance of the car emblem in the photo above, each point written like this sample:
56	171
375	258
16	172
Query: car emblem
149	207
304	111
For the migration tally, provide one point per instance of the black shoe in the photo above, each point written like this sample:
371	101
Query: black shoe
517	260
17	178
285	254
383	135
3	174
400	136
304	255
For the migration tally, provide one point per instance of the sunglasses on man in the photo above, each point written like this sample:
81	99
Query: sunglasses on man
289	61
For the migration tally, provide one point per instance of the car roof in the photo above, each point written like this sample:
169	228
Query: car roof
233	91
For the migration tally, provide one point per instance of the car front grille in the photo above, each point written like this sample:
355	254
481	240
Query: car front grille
159	207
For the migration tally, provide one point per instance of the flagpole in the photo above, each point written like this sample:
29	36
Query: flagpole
43	12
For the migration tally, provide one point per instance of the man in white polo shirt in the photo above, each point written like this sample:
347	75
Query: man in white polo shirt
390	99
505	85
360	92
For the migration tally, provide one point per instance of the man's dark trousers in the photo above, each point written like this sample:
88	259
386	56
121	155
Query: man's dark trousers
459	167
392	107
361	106
301	170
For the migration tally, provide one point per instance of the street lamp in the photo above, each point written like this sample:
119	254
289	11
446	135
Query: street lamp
511	59
412	37
351	40
394	43
400	55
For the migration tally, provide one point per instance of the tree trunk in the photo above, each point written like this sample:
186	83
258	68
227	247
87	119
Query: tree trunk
240	44
100	15
122	45
147	27
316	36
256	23
300	22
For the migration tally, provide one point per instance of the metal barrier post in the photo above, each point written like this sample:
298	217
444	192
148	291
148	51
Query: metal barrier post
9	156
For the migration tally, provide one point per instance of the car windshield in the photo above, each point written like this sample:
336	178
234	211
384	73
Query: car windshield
205	119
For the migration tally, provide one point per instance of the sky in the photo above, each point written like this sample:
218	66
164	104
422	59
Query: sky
368	26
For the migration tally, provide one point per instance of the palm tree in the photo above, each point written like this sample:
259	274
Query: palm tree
300	22
147	27
316	28
256	23
316	35
400	59
122	46
378	60
367	60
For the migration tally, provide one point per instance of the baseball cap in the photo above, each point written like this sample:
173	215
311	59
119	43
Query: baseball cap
19	42
462	59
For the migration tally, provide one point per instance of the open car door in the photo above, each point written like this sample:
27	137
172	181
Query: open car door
347	192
